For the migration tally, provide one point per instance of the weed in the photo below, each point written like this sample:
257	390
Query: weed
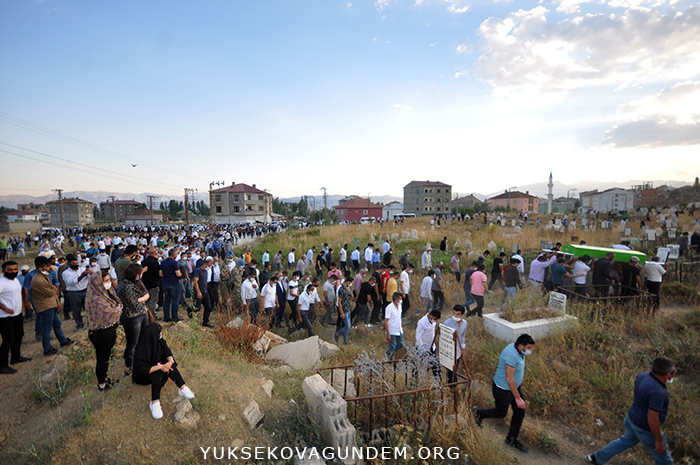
84	416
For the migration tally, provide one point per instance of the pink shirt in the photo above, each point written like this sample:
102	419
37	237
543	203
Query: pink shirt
478	282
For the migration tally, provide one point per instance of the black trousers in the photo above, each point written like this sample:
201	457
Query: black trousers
439	299
479	299
159	378
103	340
12	331
213	291
458	276
496	278
504	399
405	306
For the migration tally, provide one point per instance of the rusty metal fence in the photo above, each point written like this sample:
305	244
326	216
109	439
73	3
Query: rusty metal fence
418	407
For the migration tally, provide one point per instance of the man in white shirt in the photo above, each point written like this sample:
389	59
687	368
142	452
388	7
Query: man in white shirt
310	256
654	272
306	299
521	265
355	257
11	318
291	260
392	325
459	324
76	278
329	296
343	257
269	296
386	246
425	331
293	295
582	266
426	260
405	287
249	297
368	255
426	296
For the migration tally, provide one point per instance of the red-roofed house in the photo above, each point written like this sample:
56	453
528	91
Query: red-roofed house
518	201
23	215
241	203
358	208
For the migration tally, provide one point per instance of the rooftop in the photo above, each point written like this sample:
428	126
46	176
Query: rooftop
358	202
513	195
240	187
428	183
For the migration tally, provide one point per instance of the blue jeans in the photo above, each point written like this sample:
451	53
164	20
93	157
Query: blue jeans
395	344
468	299
50	320
171	300
633	435
345	330
305	323
511	291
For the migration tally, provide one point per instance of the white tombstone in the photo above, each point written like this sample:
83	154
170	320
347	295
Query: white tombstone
651	234
584	221
671	233
414	234
467	243
557	302
513	223
517	230
628	232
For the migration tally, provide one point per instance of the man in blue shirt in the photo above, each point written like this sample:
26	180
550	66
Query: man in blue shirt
648	413
506	388
170	272
459	324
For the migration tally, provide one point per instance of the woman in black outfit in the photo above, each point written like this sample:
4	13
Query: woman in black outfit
133	295
154	364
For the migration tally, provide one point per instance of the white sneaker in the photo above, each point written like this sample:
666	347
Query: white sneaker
156	410
186	392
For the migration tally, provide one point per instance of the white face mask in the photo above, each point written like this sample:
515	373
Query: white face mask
107	286
410	271
44	272
457	318
527	352
670	381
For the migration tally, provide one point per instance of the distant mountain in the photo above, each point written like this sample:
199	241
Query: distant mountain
11	201
540	189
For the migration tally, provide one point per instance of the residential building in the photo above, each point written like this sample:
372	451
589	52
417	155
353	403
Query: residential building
358	208
645	195
392	210
143	218
24	216
614	199
241	203
468	201
117	210
76	212
40	208
559	206
426	198
517	201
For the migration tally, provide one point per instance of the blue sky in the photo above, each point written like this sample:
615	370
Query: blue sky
354	96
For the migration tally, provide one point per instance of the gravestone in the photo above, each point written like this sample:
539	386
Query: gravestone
513	223
517	230
467	243
414	234
671	233
651	234
584	221
514	248
628	232
557	302
446	347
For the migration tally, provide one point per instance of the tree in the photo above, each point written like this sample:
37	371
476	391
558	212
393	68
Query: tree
96	213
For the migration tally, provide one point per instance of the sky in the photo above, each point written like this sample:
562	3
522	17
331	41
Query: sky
359	97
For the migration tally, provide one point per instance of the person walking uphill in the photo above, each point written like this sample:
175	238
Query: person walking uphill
506	388
647	414
154	364
103	309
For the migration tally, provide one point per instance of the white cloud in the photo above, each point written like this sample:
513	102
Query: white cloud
671	117
459	74
403	107
464	46
525	52
381	4
457	9
349	4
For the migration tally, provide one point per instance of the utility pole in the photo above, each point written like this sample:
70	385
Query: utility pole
60	203
150	203
189	193
114	210
212	208
325	197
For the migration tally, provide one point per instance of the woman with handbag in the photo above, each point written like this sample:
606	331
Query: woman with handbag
136	316
103	309
154	364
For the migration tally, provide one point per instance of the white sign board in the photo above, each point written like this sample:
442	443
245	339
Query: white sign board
662	253
557	302
651	234
674	251
446	349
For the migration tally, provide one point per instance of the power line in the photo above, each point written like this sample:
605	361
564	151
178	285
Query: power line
33	168
28	125
111	172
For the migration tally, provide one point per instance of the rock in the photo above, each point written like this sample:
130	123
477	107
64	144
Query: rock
235	323
414	234
284	369
55	372
261	345
300	355
182	328
191	420
349	391
472	256
467	244
492	246
327	349
222	417
183	408
178	399
252	414
145	452
457	244
267	387
275	340
237	443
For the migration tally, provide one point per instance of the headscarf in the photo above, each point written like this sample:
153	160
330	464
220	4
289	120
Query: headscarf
102	306
150	350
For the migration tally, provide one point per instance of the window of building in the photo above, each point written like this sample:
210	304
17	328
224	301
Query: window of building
217	197
438	191
364	212
261	197
260	208
249	208
236	209
250	197
438	208
235	198
218	209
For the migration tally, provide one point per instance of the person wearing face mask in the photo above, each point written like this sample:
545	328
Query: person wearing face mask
459	324
76	279
344	301
425	331
405	287
392	325
44	297
506	388
11	318
306	300
249	297
364	297
103	309
133	295
647	414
